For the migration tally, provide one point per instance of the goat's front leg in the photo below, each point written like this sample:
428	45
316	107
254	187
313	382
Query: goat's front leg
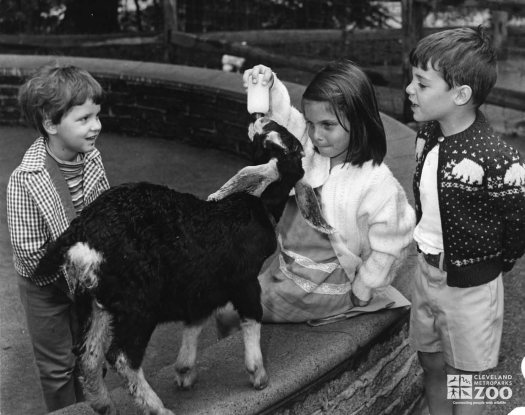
247	301
251	333
185	371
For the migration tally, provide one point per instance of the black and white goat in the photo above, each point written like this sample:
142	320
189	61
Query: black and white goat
143	254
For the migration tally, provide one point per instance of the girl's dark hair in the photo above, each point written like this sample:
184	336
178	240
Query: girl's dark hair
463	56
350	93
53	90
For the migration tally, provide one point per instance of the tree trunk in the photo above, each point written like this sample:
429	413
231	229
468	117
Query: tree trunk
413	14
138	15
500	32
170	25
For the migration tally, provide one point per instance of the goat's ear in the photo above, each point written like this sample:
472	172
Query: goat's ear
310	208
251	179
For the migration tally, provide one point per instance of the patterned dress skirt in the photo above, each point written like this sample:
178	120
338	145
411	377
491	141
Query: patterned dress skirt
303	280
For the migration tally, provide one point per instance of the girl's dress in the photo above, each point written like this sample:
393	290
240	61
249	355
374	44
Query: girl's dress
304	280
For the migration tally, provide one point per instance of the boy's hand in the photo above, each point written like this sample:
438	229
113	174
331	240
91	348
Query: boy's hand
357	302
252	75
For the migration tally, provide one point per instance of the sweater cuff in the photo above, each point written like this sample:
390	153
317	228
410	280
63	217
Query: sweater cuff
360	290
376	272
280	104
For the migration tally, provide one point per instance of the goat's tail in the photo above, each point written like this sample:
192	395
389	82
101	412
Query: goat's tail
79	261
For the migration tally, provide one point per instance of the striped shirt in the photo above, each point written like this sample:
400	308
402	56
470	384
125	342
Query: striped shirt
73	172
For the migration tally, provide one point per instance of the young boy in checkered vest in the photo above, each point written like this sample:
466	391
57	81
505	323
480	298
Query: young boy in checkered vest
59	175
469	189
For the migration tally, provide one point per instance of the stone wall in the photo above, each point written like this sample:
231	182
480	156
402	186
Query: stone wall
383	378
194	105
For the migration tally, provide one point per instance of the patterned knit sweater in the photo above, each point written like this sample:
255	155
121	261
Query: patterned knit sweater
481	193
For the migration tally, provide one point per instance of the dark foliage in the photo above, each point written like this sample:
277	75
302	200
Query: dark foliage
108	16
90	16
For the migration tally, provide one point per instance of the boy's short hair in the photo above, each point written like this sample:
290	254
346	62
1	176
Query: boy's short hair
53	90
463	56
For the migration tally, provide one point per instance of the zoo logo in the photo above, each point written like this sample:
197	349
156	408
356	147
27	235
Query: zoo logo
461	387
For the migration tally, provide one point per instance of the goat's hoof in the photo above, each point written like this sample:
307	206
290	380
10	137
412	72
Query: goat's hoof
185	378
259	378
165	411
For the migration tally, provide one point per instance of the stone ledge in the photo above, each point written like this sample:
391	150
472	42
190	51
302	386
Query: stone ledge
349	364
301	361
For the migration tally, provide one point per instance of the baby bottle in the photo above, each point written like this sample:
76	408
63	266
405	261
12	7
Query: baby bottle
258	97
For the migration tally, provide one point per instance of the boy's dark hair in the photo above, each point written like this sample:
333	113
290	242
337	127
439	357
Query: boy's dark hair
350	93
53	90
463	56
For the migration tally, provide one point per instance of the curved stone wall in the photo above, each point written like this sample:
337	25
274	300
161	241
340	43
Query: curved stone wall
202	107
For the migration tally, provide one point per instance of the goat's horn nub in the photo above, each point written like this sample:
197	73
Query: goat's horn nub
274	138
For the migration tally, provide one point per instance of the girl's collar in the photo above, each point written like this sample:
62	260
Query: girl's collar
334	160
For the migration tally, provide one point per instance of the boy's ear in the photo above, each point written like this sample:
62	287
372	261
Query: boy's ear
49	126
463	94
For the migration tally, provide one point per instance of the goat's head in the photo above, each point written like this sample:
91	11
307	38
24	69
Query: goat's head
278	155
272	140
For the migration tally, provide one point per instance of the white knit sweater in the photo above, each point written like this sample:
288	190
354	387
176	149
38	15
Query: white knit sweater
366	205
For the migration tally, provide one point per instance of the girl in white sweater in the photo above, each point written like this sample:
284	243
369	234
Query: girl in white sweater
314	275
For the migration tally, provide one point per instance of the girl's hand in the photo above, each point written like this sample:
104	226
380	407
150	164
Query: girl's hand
252	75
357	302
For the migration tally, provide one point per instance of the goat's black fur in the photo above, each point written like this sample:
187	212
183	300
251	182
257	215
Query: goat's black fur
290	167
169	256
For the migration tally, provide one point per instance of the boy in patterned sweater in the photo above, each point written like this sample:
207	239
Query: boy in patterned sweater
60	174
469	189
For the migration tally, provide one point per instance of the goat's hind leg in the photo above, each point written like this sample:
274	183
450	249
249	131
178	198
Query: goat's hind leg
91	361
131	337
185	370
143	395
